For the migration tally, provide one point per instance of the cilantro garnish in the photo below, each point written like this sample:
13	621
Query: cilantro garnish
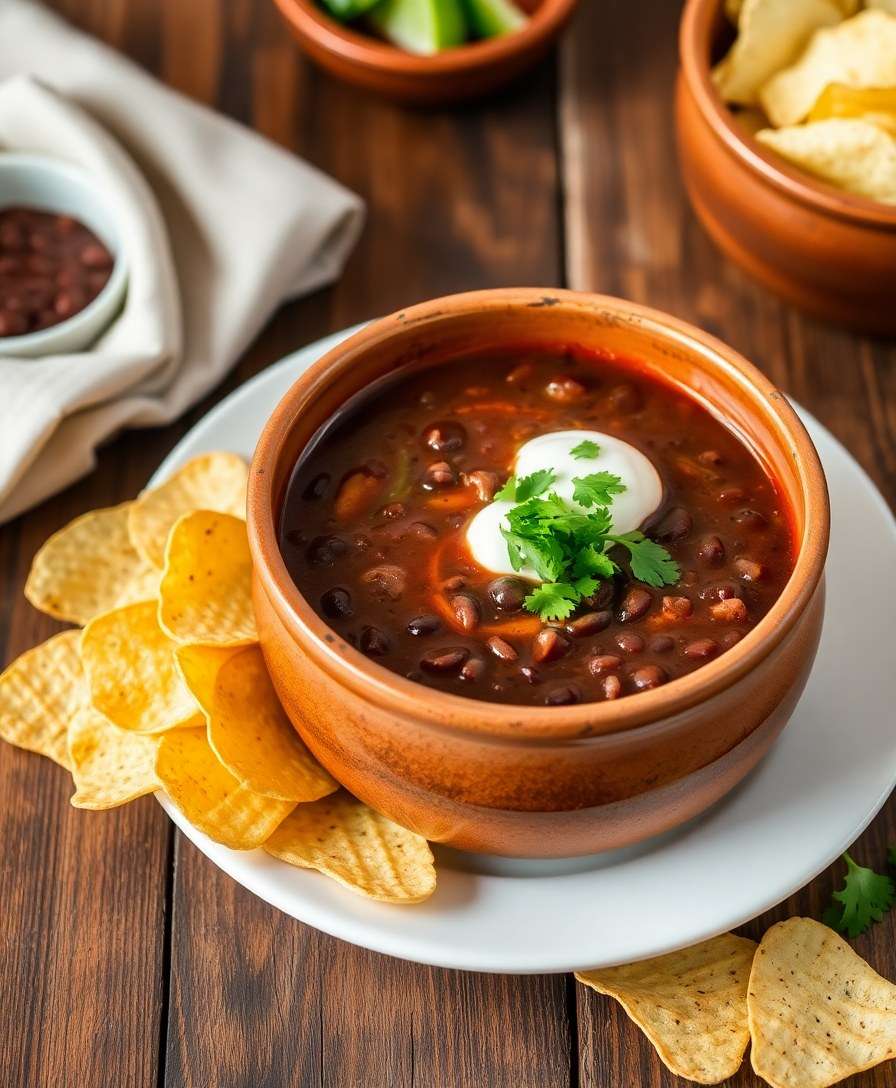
568	548
528	487
597	489
864	898
586	450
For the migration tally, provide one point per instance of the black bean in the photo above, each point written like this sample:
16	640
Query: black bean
386	580
324	551
661	644
589	624
507	594
472	670
501	648
373	642
439	474
604	663
444	437
635	604
701	648
675	525
318	487
444	660
750	519
720	591
630	642
647	677
427	624
549	645
336	603
711	551
565	390
466	611
530	673
562	696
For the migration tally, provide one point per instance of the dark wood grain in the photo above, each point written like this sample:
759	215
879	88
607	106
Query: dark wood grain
629	231
126	958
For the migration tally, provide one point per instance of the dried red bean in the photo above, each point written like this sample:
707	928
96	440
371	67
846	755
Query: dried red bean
635	604
466	611
472	670
701	648
374	642
711	551
647	677
336	603
507	594
427	624
447	659
630	642
501	648
589	624
444	437
675	525
439	474
387	580
611	686
324	551
729	611
549	645
603	663
565	390
661	644
748	569
562	696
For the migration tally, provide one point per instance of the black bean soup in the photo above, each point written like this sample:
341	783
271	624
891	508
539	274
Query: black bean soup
373	531
51	268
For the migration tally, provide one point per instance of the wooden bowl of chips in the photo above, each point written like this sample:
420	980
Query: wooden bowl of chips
830	252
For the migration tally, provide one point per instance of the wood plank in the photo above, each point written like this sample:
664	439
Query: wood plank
257	998
629	231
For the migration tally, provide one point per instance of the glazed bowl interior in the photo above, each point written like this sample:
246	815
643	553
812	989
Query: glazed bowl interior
705	35
432	334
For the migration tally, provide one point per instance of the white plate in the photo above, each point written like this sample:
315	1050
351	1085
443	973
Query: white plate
824	780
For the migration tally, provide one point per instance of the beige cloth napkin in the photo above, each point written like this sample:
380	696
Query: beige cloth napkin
220	226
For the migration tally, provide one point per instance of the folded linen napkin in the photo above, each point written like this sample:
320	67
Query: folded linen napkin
227	227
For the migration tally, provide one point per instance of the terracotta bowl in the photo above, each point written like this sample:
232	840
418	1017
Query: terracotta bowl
539	781
829	252
455	75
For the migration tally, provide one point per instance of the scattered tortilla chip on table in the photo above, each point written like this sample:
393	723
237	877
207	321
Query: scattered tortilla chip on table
860	52
771	36
206	589
853	155
40	694
818	1012
691	1004
90	567
210	797
345	840
110	766
132	674
248	728
211	481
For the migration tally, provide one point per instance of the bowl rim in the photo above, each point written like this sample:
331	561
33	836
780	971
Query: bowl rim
583	722
694	29
42	342
370	53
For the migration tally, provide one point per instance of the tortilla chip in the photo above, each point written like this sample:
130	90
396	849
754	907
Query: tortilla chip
248	728
860	52
40	694
110	766
771	36
210	797
876	105
212	481
206	591
882	5
349	842
131	672
691	1004
818	1012
853	155
90	567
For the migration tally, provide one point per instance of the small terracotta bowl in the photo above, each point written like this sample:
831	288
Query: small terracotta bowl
539	781
455	75
831	253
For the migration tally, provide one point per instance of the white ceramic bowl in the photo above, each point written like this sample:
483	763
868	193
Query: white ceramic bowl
51	185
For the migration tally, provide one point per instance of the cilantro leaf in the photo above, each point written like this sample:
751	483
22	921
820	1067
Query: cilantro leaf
553	600
520	490
590	561
597	489
585	451
543	555
864	898
650	562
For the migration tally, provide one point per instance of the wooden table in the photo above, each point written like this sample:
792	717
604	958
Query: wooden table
126	958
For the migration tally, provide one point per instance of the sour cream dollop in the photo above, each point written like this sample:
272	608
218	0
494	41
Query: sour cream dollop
643	494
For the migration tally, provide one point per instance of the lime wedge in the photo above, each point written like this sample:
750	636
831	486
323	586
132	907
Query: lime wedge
489	18
344	10
421	26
